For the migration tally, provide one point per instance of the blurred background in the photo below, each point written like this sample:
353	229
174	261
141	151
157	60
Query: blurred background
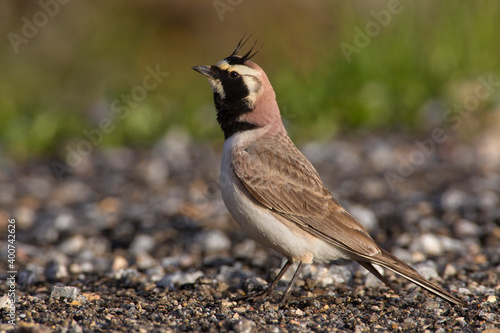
82	70
110	149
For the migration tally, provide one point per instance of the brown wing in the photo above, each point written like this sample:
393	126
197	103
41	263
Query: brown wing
279	177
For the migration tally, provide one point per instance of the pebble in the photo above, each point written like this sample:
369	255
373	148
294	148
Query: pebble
142	243
255	283
372	281
453	199
144	260
174	148
233	274
25	217
240	310
66	292
184	260
491	299
70	192
333	275
466	228
170	281
213	241
5	302
56	271
125	274
365	216
243	326
29	276
449	270
119	263
73	245
155	172
155	273
65	221
434	245
428	270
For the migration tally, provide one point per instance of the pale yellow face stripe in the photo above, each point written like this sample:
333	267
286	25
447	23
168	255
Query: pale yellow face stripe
250	77
242	69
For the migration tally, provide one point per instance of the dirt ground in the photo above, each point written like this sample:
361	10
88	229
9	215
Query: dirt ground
140	241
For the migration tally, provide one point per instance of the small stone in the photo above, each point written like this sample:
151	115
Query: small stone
144	260
213	241
5	302
109	205
71	191
491	330
175	149
119	263
56	271
464	291
169	281
299	312
243	325
184	261
65	221
449	270
245	249
27	277
91	296
65	292
429	244
125	274
240	310
435	245
331	276
431	304
73	245
255	283
365	216
480	259
453	199
461	321
142	243
491	299
372	281
428	270
155	172
466	228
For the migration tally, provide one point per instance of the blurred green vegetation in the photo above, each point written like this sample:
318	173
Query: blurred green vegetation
64	79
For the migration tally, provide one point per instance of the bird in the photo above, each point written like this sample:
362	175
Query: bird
272	190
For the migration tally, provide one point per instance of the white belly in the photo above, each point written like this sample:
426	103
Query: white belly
262	225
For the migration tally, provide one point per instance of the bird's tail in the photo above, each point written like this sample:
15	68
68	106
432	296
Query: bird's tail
390	262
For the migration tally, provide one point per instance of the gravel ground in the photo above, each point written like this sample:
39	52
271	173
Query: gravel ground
140	241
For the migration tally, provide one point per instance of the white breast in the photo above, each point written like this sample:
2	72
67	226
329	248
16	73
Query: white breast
259	222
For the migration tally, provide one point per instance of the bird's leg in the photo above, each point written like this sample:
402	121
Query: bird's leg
290	285
273	284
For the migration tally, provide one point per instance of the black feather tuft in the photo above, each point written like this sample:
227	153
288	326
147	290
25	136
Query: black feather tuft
235	59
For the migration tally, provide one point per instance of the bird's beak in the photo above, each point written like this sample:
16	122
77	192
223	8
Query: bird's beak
205	70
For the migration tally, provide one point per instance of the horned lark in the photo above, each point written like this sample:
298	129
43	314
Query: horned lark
274	193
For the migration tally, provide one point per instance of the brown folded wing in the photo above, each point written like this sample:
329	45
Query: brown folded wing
280	178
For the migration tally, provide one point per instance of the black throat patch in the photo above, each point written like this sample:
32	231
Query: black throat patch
232	103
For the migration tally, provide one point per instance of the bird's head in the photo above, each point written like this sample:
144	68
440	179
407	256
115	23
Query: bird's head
243	95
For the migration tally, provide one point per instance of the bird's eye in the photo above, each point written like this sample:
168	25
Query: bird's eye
234	75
